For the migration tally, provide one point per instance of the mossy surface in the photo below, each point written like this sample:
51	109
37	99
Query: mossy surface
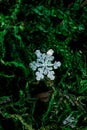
30	25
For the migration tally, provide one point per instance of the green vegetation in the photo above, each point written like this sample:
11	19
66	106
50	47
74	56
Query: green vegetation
30	25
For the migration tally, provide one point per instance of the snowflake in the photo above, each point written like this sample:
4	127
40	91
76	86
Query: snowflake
69	121
43	66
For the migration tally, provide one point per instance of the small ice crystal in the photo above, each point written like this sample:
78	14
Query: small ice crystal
43	66
69	121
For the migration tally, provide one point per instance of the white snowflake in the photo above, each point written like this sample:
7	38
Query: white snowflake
69	121
43	66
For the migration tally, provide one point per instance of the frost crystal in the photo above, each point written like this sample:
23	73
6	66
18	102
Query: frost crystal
43	66
69	121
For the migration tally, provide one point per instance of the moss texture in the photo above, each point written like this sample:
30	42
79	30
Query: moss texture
29	25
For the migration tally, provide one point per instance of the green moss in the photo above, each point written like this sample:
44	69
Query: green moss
26	26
